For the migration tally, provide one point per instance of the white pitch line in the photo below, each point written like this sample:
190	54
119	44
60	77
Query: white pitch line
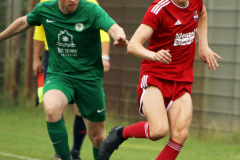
16	156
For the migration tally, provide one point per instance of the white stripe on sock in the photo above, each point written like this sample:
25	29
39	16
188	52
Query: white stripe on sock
174	146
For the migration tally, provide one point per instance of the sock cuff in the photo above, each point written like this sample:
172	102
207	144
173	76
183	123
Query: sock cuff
175	142
54	125
95	149
77	116
95	153
174	145
147	132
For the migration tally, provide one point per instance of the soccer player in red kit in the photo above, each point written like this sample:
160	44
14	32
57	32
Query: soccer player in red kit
166	77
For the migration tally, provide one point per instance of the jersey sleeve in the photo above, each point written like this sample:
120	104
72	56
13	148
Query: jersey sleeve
39	33
103	20
104	36
44	0
33	17
93	1
150	18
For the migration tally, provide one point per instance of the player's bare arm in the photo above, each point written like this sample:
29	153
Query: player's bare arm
136	47
105	56
205	53
118	34
37	62
15	28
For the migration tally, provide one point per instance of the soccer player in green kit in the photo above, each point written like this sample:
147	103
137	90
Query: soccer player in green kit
75	64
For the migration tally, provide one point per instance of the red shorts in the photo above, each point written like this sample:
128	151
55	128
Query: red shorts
171	90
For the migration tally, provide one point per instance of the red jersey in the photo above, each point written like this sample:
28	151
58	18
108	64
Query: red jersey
175	28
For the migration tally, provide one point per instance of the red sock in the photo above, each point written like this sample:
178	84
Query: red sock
171	151
138	130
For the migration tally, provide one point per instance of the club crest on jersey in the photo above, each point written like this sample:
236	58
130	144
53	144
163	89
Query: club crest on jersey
79	27
195	16
65	39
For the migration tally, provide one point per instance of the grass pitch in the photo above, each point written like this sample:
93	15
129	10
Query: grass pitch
23	135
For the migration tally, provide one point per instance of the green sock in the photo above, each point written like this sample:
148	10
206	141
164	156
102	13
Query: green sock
95	153
59	138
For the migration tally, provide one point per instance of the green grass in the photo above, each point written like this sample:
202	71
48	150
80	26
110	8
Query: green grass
23	133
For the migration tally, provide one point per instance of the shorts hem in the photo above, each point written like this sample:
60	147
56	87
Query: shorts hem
95	119
60	88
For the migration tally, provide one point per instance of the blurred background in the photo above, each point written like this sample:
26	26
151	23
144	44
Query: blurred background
216	94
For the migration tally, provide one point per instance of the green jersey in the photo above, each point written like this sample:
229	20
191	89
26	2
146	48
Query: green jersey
73	39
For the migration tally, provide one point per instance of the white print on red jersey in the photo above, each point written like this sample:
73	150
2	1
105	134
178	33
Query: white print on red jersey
159	6
185	39
178	23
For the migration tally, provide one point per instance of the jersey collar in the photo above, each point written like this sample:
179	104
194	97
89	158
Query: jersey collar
179	6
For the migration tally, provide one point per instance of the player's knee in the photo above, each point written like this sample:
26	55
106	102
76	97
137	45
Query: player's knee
158	133
53	113
96	139
180	135
49	111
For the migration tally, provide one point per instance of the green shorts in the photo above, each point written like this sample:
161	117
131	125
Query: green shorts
87	94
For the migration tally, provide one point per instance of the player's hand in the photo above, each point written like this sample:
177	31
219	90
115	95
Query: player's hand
163	56
209	57
37	66
121	42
